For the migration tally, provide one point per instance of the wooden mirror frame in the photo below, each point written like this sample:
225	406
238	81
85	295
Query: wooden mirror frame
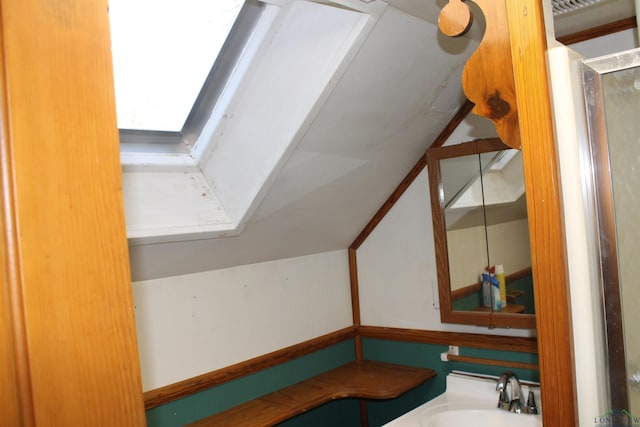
447	314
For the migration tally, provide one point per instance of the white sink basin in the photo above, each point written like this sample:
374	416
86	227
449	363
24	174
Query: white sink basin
468	401
479	418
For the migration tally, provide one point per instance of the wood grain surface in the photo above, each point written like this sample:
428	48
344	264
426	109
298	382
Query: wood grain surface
64	237
544	208
359	379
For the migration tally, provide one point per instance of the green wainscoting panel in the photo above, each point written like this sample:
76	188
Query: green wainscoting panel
405	353
225	396
428	356
467	303
339	413
524	284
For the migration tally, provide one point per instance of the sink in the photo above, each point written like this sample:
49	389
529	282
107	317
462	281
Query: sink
469	400
479	418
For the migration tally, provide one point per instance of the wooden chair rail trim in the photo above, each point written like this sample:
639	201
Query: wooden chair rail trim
484	341
465	291
171	392
518	275
492	362
602	30
359	379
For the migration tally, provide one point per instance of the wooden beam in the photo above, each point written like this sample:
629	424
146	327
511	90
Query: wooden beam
553	309
64	241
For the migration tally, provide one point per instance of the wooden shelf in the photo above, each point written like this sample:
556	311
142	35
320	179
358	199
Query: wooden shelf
511	308
360	379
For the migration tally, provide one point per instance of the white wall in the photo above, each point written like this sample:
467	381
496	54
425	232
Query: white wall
192	324
509	247
579	226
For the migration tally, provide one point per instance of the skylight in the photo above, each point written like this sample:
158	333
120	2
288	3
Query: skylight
162	53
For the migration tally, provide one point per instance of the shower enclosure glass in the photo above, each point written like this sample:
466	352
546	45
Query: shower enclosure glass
612	95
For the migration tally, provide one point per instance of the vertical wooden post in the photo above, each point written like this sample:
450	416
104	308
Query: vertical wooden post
542	180
71	356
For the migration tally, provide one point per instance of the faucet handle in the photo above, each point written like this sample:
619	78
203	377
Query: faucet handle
531	407
515	388
501	388
502	382
516	395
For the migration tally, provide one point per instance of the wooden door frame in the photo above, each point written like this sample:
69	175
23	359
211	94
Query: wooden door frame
69	348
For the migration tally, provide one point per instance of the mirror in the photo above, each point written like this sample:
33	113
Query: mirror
480	225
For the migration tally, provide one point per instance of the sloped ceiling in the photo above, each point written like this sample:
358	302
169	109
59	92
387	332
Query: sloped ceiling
399	92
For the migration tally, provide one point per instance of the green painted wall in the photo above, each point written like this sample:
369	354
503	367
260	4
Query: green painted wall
344	412
339	413
524	284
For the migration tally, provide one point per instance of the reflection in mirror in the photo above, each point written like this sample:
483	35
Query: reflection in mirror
480	225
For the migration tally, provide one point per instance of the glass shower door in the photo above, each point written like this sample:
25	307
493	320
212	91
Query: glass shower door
612	94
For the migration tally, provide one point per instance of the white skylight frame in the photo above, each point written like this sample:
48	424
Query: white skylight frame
201	189
181	142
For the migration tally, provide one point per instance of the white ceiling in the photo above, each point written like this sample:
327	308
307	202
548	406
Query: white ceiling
401	89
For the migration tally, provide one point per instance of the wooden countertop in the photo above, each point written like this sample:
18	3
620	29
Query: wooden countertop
360	379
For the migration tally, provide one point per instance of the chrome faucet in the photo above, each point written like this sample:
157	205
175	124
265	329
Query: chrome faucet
510	402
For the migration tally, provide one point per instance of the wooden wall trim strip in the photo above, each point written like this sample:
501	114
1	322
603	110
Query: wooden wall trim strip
484	341
171	392
355	298
411	176
516	275
492	362
465	291
602	30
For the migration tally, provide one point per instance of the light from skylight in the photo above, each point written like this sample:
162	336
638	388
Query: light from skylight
162	53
